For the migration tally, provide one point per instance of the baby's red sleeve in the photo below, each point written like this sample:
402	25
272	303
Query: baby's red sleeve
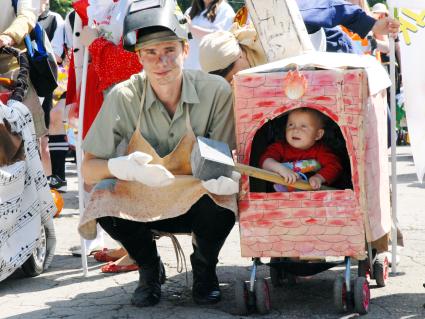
274	151
330	163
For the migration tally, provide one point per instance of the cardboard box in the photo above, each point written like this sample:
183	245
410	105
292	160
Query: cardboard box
317	223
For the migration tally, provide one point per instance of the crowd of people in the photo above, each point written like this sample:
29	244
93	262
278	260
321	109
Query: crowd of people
157	85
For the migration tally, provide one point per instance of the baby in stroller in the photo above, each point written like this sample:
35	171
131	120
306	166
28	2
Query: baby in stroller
302	144
302	154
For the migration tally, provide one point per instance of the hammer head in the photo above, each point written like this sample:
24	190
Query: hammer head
211	159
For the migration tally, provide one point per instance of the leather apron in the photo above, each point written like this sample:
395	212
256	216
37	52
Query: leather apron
136	201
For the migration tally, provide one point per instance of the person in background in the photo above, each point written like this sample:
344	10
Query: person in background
225	53
204	17
53	24
58	145
17	19
381	41
380	12
74	48
331	14
109	65
68	29
16	22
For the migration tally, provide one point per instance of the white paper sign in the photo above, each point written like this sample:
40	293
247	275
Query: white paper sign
280	28
411	14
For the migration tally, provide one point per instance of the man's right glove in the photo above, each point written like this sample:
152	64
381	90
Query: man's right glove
135	167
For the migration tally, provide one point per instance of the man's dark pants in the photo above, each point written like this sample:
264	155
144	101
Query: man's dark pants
209	225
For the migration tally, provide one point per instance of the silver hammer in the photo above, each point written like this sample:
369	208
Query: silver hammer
212	159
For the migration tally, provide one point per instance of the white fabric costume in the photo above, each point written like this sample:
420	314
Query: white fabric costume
223	21
25	199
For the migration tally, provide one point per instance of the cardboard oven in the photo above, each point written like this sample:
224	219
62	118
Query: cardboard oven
315	223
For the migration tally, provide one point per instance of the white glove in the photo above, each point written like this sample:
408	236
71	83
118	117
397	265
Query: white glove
223	185
135	167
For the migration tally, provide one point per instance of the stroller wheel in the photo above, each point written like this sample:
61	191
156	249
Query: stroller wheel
363	269
262	296
381	270
276	273
340	294
241	298
35	263
361	295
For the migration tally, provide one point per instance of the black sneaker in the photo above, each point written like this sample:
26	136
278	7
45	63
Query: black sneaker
57	183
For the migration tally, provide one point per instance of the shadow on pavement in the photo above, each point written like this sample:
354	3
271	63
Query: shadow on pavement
410	178
404	158
310	298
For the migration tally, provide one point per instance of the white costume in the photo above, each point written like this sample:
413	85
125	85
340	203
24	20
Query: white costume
223	21
25	200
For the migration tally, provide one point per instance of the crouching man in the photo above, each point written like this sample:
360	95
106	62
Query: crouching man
157	115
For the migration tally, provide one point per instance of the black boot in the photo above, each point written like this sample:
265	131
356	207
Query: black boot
205	288
162	275
148	291
138	240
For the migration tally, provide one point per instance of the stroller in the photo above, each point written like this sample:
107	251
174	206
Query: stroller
27	236
307	232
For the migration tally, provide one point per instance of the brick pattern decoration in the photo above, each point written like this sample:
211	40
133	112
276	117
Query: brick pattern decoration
377	168
303	224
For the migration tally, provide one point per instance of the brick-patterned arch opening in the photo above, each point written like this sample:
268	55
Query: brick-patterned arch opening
303	224
271	129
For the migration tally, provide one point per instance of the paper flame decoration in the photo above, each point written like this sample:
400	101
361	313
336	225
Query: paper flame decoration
294	85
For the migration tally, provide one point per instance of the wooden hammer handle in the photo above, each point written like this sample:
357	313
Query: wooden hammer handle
273	177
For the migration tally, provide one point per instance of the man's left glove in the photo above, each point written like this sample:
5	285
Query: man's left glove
223	185
135	167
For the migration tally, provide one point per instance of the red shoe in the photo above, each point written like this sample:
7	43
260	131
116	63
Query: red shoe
102	256
113	268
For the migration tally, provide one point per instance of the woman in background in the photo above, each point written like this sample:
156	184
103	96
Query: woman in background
205	17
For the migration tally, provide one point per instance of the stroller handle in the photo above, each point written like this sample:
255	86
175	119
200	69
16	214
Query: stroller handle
21	83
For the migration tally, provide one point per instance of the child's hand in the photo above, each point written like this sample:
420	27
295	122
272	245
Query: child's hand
272	165
316	181
289	175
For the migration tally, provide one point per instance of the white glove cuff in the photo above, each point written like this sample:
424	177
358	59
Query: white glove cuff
119	168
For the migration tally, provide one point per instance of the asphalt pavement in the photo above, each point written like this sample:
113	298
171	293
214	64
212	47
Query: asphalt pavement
63	291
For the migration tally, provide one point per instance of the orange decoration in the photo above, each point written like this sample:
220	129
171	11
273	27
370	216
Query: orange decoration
6	82
363	42
241	16
58	199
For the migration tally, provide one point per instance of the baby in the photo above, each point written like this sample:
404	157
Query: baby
303	133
